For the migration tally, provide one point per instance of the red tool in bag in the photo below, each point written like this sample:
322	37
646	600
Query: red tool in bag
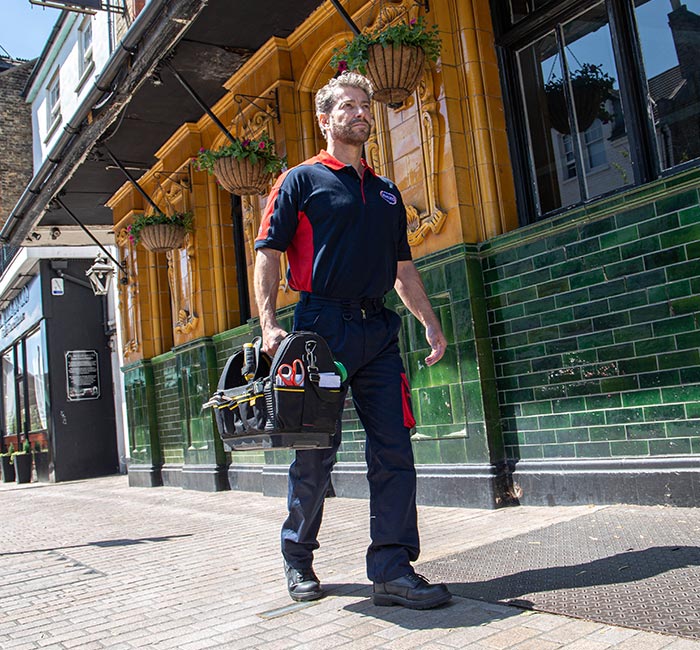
293	401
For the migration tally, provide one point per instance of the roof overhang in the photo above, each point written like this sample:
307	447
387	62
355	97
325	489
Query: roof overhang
134	111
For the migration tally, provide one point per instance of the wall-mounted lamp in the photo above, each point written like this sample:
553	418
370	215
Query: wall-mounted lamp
100	275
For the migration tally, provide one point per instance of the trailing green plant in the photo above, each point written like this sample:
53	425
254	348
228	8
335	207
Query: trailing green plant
141	221
355	53
257	149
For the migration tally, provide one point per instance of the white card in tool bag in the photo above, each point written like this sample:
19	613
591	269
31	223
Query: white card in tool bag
328	380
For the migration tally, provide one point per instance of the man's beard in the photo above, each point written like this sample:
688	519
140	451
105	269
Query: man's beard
348	134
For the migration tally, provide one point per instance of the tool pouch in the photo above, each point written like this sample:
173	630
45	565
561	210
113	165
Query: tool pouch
239	401
311	407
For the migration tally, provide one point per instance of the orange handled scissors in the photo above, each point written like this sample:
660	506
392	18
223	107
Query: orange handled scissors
292	374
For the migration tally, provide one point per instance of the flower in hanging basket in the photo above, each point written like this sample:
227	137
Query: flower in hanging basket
243	166
392	57
159	231
591	87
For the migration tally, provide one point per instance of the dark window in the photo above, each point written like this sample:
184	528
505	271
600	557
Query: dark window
601	95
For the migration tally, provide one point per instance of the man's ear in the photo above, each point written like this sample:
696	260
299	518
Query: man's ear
323	123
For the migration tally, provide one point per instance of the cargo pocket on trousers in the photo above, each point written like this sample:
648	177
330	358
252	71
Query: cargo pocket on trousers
408	420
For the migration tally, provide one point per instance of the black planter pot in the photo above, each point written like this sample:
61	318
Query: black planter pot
41	464
8	469
23	467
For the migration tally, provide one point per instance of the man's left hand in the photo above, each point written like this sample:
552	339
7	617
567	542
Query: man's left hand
438	344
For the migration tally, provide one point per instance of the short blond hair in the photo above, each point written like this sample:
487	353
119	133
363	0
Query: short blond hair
325	97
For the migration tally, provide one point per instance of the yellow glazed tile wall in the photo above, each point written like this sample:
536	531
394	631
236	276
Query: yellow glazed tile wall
446	148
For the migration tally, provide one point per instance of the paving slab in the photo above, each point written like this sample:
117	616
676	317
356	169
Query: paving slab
97	564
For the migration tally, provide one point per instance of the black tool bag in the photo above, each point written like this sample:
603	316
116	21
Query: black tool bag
293	401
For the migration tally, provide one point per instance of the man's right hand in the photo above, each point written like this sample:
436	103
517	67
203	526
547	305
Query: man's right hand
272	336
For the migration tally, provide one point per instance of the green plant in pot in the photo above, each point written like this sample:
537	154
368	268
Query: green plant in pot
392	57
590	87
243	166
8	468
22	460
160	232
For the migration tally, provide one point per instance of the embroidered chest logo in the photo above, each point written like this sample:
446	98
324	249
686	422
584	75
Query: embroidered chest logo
388	197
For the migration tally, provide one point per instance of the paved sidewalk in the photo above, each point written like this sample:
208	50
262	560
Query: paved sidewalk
96	564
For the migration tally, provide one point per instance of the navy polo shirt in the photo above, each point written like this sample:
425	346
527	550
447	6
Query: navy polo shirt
343	234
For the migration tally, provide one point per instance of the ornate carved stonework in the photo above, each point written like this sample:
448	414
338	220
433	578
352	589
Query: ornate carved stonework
421	222
174	194
128	299
183	282
432	219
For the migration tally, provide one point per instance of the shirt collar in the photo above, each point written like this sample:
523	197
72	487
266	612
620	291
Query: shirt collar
333	163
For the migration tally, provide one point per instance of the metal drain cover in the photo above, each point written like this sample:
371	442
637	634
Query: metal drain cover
632	567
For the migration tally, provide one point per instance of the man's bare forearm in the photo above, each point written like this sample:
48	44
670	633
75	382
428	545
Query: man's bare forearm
410	288
266	283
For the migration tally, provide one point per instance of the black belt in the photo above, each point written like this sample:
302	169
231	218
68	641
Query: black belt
363	304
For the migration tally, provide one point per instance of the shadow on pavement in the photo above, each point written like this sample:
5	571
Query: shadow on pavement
632	566
107	543
457	613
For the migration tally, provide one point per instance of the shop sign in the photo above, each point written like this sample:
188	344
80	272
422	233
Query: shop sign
82	375
21	313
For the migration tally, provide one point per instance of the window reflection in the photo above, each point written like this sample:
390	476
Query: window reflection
668	33
36	382
570	86
8	393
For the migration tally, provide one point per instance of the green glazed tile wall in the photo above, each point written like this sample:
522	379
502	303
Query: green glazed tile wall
196	377
596	331
139	393
451	400
167	407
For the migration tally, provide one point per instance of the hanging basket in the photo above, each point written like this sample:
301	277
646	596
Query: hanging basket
162	237
395	72
241	177
587	100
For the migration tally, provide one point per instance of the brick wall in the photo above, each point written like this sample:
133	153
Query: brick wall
15	136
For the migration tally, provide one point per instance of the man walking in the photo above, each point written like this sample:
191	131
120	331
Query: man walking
344	231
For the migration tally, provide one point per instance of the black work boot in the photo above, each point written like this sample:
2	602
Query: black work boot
412	591
302	584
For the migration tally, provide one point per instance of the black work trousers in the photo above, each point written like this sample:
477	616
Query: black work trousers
363	336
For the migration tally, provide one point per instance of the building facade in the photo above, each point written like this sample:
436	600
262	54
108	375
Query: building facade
61	386
564	267
549	165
